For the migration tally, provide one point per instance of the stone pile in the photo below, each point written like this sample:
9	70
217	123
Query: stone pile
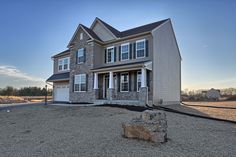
150	126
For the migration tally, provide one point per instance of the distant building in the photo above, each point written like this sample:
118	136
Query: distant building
212	94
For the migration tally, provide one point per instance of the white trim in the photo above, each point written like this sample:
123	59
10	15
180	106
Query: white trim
137	41
77	55
63	63
112	61
80	82
121	81
125	52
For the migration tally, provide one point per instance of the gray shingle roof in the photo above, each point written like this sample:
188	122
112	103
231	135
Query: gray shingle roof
59	77
91	32
61	53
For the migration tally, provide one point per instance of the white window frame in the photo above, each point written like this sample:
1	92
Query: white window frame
113	54
81	36
138	41
140	79
80	82
126	44
63	63
82	49
124	82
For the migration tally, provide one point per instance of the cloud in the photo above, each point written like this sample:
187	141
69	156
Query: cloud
13	72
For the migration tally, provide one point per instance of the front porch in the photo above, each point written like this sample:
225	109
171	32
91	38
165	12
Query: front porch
123	86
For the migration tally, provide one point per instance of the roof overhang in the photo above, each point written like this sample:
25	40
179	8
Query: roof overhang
59	77
124	67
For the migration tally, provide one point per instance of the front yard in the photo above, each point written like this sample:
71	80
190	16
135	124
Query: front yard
96	131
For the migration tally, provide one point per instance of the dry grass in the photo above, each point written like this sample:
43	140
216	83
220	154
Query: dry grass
11	99
229	114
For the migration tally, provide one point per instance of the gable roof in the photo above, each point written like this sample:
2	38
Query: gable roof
133	31
91	32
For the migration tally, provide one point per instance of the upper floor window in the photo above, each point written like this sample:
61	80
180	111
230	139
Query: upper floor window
63	64
81	55
110	54
124	83
138	80
140	48
125	52
80	83
81	36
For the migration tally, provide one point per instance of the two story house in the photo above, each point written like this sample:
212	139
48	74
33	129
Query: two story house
103	65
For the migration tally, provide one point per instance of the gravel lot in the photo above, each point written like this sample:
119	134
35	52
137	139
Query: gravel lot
96	131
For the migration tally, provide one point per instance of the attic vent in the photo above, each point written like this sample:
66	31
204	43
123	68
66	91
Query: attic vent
81	36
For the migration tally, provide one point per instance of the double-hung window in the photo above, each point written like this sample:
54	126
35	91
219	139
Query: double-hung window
110	54
63	64
80	55
125	52
138	80
124	83
80	83
140	48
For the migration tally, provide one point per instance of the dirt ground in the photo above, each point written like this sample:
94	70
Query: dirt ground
96	131
224	110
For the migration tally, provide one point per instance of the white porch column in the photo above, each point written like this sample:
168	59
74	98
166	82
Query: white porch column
95	81
144	77
111	86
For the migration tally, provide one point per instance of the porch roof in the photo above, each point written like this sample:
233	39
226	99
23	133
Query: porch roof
59	77
122	67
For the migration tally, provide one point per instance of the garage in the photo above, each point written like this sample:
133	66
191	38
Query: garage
61	92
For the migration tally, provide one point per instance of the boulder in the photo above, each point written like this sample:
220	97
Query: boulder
150	126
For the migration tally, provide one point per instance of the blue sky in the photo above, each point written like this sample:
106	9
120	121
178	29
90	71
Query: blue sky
32	31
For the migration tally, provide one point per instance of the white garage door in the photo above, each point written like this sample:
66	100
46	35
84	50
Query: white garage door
61	92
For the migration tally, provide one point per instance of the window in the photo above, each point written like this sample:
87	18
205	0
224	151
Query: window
140	48
81	36
124	51
124	82
110	54
80	55
80	83
138	80
63	64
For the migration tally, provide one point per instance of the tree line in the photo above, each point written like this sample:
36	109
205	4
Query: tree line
25	91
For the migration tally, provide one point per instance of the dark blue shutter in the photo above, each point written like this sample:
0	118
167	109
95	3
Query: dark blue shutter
134	50
84	55
119	53
146	44
135	81
76	57
118	81
130	81
114	54
86	82
130	51
105	56
148	80
73	84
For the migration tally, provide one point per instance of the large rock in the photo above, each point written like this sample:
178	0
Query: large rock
151	126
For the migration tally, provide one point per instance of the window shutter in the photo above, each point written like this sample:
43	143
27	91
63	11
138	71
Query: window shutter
118	81
73	84
135	81
105	56
134	51
76	57
86	78
84	55
119	53
130	81
146	44
114	54
130	51
148	80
